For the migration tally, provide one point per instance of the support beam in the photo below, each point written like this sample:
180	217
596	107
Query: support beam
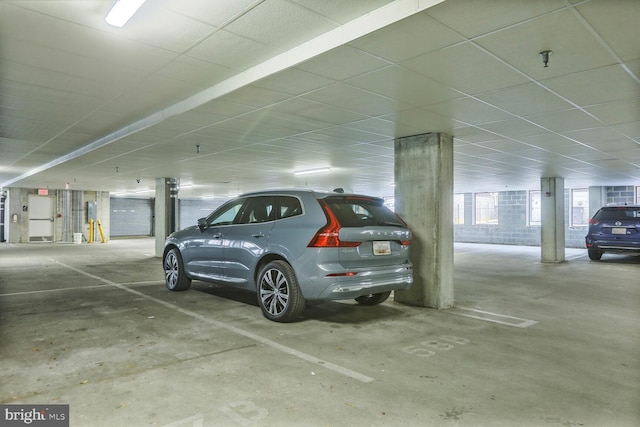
552	231
166	211
597	199
424	198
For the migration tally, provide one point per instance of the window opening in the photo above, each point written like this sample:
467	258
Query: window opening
458	208
486	208
535	207
580	207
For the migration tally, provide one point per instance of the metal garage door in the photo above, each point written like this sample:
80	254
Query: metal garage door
191	210
131	217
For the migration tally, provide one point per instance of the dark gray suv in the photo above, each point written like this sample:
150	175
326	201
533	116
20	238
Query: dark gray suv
292	246
614	229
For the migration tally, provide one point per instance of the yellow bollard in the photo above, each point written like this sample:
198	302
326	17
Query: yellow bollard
91	231
101	232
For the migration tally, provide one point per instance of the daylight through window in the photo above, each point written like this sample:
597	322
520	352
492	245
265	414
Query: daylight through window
486	208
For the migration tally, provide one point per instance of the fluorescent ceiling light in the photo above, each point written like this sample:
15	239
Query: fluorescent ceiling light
316	170
122	11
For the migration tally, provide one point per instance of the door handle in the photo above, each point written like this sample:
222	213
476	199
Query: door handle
256	235
216	236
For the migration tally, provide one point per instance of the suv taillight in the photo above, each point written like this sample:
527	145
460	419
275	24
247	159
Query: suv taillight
593	221
327	236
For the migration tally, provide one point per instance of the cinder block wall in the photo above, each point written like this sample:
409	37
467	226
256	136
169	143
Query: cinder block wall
513	228
621	194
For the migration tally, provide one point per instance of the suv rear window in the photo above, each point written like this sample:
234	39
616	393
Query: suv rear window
353	211
615	214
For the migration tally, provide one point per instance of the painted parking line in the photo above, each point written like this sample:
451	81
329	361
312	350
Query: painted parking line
43	291
572	257
492	317
282	348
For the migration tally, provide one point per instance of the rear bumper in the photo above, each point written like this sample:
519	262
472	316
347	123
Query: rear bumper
350	289
322	277
612	246
616	249
370	281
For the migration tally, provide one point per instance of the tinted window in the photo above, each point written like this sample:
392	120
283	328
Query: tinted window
258	209
361	212
227	214
617	214
289	206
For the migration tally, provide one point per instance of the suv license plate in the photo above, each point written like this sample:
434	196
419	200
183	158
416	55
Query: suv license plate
618	230
381	248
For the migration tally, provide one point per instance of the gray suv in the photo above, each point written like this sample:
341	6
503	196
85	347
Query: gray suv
293	246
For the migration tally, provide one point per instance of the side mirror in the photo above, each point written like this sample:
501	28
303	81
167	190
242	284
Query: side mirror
202	224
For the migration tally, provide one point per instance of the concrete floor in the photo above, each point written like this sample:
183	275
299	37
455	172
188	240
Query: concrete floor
528	344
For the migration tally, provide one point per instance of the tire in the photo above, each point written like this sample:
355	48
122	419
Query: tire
373	299
279	295
174	275
594	255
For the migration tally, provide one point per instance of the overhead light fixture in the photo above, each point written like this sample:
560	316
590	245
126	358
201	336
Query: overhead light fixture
315	170
122	11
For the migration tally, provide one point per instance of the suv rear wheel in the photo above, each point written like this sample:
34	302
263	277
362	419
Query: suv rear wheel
279	295
594	255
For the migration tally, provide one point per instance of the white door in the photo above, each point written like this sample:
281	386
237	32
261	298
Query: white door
40	219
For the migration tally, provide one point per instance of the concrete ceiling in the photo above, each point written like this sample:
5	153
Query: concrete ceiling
236	95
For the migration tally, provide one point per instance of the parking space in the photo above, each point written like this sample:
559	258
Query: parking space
528	344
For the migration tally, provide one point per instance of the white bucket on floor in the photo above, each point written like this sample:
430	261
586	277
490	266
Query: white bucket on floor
77	238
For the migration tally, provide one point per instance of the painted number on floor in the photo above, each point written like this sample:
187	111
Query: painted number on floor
244	412
431	347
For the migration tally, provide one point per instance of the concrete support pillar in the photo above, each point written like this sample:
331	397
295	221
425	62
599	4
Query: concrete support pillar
67	216
166	210
597	199
3	197
552	230
424	199
78	211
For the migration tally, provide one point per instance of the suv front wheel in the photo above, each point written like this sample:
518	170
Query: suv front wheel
279	295
174	275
